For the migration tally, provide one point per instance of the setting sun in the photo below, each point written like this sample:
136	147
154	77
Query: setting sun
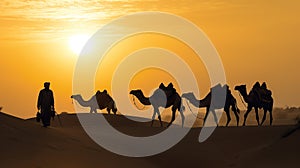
77	42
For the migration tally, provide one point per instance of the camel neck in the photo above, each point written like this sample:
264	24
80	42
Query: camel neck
205	101
244	94
144	100
82	102
193	100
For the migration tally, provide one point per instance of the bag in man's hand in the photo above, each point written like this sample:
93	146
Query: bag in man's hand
38	117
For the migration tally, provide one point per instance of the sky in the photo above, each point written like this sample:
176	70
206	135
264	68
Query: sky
256	40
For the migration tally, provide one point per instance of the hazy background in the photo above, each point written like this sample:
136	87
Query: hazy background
256	40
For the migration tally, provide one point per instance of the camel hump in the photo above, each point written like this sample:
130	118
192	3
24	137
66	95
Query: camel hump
216	87
170	85
263	94
103	98
256	90
256	85
169	90
265	90
219	88
228	91
162	86
99	92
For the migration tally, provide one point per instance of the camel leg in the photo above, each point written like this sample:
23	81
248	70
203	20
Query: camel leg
237	117
111	106
215	117
228	117
246	115
114	110
271	117
257	116
182	118
93	110
214	114
156	110
235	110
108	110
206	114
181	109
173	116
161	125
153	117
264	117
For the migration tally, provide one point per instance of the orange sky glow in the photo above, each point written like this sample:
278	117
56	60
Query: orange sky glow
256	40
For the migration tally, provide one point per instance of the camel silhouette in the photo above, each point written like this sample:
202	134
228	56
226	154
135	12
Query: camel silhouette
206	102
162	97
254	101
100	100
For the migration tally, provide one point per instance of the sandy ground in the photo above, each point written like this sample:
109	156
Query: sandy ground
24	143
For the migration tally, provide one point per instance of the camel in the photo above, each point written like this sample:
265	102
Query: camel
253	102
100	100
157	99
206	102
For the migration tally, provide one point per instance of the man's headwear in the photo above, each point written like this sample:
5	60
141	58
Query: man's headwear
46	84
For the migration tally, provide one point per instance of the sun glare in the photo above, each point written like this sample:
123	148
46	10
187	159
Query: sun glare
77	42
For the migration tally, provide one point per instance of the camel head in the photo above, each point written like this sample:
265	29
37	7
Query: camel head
75	96
136	92
188	95
241	88
191	98
139	94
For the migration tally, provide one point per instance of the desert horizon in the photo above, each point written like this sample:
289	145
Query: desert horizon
282	116
256	41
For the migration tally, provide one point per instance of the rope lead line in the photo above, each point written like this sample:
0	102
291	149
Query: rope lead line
133	99
242	100
192	111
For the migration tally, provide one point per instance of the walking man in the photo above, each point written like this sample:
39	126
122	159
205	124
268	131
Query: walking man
45	104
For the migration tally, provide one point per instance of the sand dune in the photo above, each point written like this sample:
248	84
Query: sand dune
25	143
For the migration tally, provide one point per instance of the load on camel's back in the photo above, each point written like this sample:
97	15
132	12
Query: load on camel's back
100	100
